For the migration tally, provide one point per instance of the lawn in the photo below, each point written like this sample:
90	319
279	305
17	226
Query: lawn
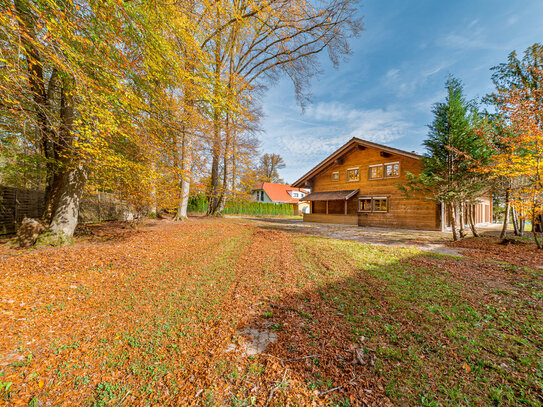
154	316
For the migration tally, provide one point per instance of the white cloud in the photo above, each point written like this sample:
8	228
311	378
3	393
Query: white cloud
377	125
392	74
325	127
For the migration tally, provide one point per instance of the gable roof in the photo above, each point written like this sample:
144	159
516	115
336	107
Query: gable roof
278	192
345	149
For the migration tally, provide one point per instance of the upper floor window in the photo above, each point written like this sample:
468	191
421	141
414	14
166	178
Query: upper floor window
392	170
387	170
353	174
376	171
335	176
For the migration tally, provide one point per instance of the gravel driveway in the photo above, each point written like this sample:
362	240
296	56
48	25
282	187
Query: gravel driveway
423	240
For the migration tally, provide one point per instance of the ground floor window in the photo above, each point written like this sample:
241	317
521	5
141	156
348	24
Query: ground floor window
373	204
380	204
365	205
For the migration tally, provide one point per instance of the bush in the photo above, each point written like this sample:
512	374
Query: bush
198	204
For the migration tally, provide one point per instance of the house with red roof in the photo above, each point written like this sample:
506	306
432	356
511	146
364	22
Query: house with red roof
269	192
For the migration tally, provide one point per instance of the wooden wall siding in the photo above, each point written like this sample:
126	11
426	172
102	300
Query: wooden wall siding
418	212
334	219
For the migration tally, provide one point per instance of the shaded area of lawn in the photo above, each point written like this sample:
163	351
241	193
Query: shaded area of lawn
521	251
442	331
151	318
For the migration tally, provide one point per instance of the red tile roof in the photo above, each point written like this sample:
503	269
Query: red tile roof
279	192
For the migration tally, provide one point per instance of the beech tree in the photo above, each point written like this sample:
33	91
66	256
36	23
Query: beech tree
261	41
269	166
86	79
141	98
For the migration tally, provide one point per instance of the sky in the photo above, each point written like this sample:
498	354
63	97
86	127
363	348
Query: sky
385	90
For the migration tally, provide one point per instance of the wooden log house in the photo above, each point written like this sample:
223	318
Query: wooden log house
358	185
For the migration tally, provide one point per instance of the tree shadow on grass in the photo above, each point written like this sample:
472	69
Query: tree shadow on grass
367	326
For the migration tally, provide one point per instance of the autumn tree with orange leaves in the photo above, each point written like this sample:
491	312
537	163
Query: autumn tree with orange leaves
519	139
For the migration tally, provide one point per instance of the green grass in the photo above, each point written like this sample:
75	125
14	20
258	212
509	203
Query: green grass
437	340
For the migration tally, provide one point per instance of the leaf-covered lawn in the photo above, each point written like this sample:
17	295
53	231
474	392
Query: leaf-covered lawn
149	317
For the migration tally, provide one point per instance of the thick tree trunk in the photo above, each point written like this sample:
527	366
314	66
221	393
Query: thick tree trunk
42	98
506	215
452	216
186	166
61	230
471	209
69	178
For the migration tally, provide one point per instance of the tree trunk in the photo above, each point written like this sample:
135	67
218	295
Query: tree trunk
186	166
471	209
152	193
42	98
64	222
535	229
213	195
452	216
514	218
227	167
506	215
69	179
462	221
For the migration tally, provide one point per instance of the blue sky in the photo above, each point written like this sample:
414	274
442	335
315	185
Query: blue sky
385	91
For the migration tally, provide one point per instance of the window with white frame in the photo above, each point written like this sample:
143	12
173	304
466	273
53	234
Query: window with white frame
392	170
373	204
353	174
365	204
335	176
376	171
380	204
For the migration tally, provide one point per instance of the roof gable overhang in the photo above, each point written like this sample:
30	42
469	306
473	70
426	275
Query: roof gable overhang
347	148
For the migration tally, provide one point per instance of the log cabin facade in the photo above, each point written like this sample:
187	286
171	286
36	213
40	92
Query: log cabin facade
358	185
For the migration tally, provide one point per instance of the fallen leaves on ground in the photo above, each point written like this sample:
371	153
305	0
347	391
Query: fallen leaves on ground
155	315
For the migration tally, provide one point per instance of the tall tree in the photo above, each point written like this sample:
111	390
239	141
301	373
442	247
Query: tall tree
269	167
453	148
261	41
519	103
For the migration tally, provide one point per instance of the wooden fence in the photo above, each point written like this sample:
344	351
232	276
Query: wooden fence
17	204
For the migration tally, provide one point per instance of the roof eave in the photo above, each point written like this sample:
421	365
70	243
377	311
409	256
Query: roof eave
323	164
